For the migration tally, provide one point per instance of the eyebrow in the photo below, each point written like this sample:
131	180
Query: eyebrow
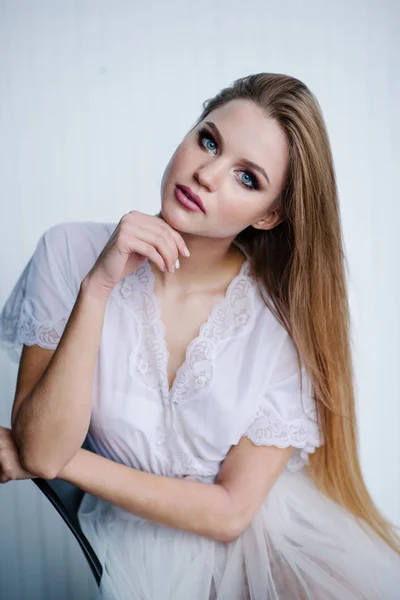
245	161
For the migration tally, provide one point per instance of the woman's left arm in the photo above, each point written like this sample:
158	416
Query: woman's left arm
220	510
193	506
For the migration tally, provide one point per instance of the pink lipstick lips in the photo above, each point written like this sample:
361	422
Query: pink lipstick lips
188	198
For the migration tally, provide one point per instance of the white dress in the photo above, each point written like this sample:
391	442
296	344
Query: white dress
239	378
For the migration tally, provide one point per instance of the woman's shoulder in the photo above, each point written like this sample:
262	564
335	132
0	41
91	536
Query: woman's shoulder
80	236
76	245
43	296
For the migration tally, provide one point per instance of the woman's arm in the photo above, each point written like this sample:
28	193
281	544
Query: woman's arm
52	416
220	510
194	506
50	423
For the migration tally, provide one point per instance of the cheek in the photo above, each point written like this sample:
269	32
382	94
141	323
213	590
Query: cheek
183	159
170	170
239	211
175	167
234	212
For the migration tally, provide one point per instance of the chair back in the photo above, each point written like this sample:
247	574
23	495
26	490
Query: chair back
66	499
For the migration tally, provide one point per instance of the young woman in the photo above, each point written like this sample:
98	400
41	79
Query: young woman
218	396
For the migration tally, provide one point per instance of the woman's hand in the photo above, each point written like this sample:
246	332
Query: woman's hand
137	236
10	465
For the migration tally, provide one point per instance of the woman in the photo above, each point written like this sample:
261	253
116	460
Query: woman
218	396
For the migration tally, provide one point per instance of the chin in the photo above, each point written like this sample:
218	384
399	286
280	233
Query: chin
170	213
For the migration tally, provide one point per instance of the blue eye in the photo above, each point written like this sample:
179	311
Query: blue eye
249	176
205	137
203	134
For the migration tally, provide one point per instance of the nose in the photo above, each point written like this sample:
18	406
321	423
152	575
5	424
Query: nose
210	174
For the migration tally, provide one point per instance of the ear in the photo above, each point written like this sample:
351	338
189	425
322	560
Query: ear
270	220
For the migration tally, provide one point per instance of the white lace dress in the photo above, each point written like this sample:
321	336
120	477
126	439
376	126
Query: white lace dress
239	378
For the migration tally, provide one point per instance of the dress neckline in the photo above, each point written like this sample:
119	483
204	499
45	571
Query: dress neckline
232	316
204	330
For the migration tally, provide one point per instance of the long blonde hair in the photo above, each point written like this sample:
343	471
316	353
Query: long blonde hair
301	265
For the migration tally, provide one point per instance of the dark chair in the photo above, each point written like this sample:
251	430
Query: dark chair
66	499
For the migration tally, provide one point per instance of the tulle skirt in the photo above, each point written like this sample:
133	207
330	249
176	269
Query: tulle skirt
299	546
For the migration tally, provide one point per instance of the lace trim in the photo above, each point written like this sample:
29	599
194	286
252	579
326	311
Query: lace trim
303	434
22	328
134	292
231	316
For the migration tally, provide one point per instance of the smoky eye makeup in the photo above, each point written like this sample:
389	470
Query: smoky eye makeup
204	134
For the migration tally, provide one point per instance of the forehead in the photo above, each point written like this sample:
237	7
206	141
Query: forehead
241	113
242	121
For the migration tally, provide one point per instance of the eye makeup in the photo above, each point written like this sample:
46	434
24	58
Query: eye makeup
205	134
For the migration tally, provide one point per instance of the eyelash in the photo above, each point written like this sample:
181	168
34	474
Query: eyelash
203	133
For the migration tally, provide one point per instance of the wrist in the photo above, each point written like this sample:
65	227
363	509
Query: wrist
91	289
66	472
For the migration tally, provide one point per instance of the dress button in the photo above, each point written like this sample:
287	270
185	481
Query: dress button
201	381
142	367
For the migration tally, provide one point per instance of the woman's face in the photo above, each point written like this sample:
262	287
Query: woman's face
211	161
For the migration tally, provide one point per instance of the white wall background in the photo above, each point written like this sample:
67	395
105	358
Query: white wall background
94	97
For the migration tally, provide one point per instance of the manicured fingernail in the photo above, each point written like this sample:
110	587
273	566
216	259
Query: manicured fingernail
177	265
186	251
